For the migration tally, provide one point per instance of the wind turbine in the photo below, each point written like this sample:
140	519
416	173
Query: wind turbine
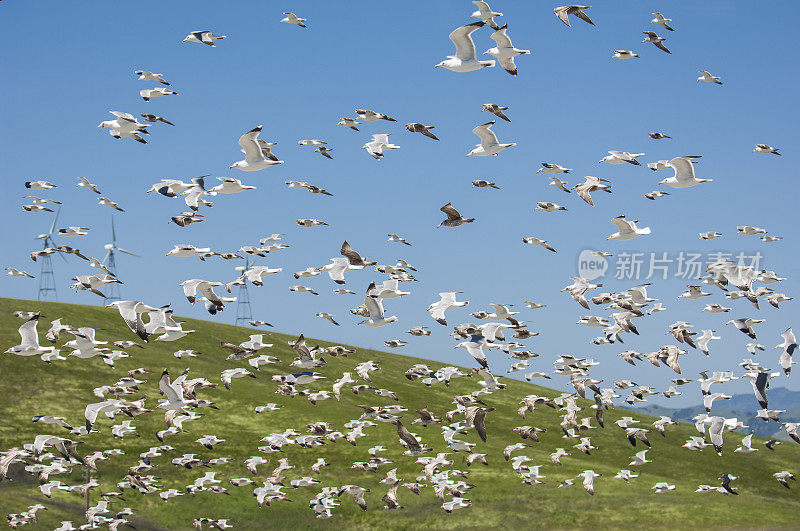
111	264
47	279
244	313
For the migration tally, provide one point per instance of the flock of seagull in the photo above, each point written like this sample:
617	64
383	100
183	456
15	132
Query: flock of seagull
51	455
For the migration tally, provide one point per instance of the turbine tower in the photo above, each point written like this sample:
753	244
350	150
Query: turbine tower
244	313
47	279
112	290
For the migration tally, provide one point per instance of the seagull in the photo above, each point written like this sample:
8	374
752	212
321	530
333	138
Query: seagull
125	125
311	142
693	292
486	14
684	173
229	185
621	157
745	325
254	159
84	183
104	201
475	347
656	40
291	18
588	480
783	477
152	118
29	340
706	76
372	116
328	316
489	144
310	222
702	341
552	169
192	286
624	54
658	136
531	240
375	310
349	123
302	289
131	313
764	148
36	208
447	302
420	128
39	185
661	21
655	194
789	346
592	184
546	206
563	13
561	185
496	110
465	58
13	272
454	219
481	183
505	51
203	37
710	235
394	238
228	374
378	144
146	75
627	229
324	151
157	92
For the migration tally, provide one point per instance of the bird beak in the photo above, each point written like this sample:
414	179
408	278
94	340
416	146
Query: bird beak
437	66
231	166
99	127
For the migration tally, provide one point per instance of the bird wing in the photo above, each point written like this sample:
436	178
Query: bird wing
352	256
301	349
583	16
500	37
624	226
452	213
561	13
487	136
684	169
168	388
27	332
250	145
462	38
583	192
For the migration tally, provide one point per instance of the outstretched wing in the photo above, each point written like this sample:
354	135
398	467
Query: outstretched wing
462	38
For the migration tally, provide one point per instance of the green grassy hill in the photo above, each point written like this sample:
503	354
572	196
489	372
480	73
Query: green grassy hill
31	387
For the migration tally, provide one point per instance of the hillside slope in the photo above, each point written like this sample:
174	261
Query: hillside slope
31	387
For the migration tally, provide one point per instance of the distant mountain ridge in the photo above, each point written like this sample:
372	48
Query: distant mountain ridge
742	406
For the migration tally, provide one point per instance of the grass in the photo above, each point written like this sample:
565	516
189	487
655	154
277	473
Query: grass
31	387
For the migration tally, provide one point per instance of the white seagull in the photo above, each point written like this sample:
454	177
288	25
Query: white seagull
254	159
489	144
465	58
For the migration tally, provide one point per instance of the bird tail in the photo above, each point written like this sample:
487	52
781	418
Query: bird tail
484	64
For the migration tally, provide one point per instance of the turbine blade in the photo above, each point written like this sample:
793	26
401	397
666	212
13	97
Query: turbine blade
55	219
120	249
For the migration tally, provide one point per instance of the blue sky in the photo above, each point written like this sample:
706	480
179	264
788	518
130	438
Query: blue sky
570	104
